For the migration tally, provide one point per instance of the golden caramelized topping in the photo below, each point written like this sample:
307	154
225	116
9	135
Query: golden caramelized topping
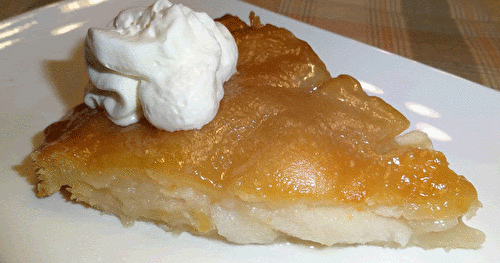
285	131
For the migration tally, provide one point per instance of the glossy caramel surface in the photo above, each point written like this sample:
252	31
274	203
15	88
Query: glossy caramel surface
285	132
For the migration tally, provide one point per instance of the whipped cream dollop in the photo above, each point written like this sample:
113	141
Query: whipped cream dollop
165	62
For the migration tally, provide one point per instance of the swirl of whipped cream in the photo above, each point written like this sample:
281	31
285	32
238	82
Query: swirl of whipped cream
165	62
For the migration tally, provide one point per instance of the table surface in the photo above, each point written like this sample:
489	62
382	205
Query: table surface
461	37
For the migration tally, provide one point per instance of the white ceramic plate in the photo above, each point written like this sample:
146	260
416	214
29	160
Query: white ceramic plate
42	76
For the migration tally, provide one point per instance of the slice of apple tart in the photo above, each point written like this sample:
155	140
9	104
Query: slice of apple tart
292	152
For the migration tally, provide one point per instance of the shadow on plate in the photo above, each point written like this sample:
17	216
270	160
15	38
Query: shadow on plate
68	77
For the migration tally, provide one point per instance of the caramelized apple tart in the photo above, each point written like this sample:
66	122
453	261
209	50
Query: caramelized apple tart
292	152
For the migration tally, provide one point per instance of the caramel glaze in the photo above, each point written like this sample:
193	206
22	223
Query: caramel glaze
285	132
